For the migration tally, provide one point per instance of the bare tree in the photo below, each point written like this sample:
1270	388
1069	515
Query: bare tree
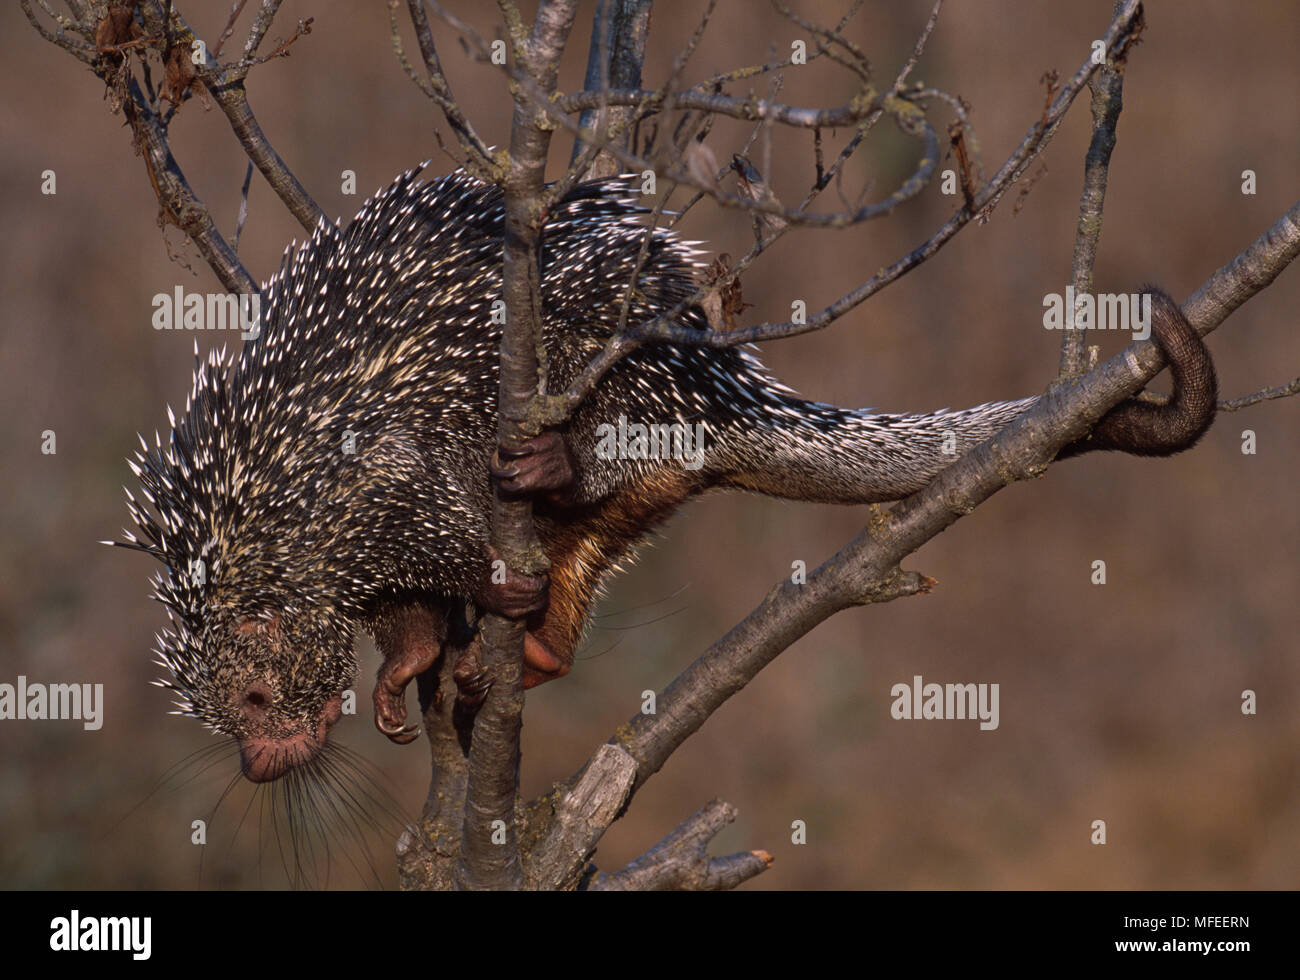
476	832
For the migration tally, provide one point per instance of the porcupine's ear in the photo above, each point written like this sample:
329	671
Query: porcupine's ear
1146	429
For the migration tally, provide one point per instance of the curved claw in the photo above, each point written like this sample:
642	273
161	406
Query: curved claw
504	464
542	465
526	449
401	735
502	472
472	681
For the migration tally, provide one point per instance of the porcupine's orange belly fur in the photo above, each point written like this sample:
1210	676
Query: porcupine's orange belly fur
583	544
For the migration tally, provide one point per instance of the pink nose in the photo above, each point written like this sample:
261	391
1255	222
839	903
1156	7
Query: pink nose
264	758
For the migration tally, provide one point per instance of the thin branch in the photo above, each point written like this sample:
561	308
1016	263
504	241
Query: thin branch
754	71
619	32
177	201
226	86
1107	103
1265	394
62	35
261	24
746	110
228	32
857	61
479	160
243	207
681	860
234	103
919	48
79	26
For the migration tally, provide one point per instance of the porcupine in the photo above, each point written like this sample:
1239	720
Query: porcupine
383	334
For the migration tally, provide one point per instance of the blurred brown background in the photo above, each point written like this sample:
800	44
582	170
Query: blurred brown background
1118	703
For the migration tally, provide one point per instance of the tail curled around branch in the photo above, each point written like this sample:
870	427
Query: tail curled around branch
1147	429
811	451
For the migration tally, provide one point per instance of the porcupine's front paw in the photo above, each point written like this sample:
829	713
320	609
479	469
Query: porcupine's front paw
410	637
390	700
541	466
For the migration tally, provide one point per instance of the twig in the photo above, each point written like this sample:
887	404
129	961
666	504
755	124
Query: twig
681	860
177	201
748	110
243	207
857	62
1263	395
1107	103
619	32
236	9
479	160
919	48
61	36
226	87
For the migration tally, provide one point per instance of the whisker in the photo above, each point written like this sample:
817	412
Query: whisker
169	782
647	622
596	656
644	605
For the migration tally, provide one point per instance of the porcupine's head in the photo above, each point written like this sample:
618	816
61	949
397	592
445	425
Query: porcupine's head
253	649
249	510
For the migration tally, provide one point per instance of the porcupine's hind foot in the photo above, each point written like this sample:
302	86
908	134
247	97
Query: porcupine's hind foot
411	635
508	593
582	543
472	682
